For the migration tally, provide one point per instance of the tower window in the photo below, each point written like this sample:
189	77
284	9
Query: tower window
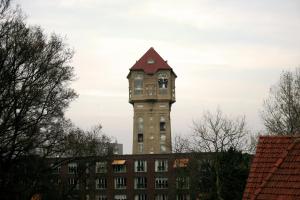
138	84
162	148
140	147
140	125
150	61
162	124
140	137
162	82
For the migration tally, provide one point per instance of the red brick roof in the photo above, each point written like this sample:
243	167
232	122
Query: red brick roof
150	62
275	169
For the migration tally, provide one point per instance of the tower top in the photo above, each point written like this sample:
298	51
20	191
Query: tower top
150	63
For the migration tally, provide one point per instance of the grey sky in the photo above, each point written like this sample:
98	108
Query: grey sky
225	53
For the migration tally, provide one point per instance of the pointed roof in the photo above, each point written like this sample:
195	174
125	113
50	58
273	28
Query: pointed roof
275	169
150	62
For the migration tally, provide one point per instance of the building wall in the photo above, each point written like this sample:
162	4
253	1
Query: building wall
152	104
150	174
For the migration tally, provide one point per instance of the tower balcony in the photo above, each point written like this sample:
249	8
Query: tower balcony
151	96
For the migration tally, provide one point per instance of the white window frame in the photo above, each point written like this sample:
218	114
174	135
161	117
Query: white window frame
72	168
161	165
140	166
140	197
182	197
101	167
161	183
140	183
101	197
161	197
101	183
120	197
120	183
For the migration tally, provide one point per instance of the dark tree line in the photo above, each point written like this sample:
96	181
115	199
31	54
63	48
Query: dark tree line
35	76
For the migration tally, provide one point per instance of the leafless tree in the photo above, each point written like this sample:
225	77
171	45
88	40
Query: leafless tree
281	110
217	133
181	144
4	4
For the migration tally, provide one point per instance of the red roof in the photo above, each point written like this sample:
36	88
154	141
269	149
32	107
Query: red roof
275	169
150	62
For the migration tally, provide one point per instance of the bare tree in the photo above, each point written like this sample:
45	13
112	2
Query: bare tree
4	4
180	144
281	111
217	133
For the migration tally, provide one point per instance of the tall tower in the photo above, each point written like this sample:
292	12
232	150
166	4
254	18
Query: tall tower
152	93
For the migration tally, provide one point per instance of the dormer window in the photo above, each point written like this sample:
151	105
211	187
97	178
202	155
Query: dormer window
150	61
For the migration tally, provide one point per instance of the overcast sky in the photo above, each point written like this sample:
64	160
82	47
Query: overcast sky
226	54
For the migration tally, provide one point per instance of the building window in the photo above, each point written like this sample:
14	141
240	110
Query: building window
162	124
140	147
162	81
161	183
140	137
120	197
120	183
140	183
119	166
140	125
74	183
161	197
87	184
101	183
162	148
55	169
161	165
140	166
101	167
87	168
140	197
100	197
182	182
162	138
72	168
182	197
138	84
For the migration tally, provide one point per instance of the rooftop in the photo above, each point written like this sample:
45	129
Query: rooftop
150	62
275	169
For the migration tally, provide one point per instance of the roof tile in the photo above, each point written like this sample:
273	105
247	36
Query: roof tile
275	170
151	62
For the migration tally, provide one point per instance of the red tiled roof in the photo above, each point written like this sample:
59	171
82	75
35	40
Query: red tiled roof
150	62
275	169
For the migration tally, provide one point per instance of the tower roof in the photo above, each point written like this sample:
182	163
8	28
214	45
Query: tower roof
150	62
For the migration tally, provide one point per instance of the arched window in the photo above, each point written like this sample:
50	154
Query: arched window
162	81
138	84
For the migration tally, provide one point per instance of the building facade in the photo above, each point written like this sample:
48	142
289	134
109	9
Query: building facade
152	93
133	177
